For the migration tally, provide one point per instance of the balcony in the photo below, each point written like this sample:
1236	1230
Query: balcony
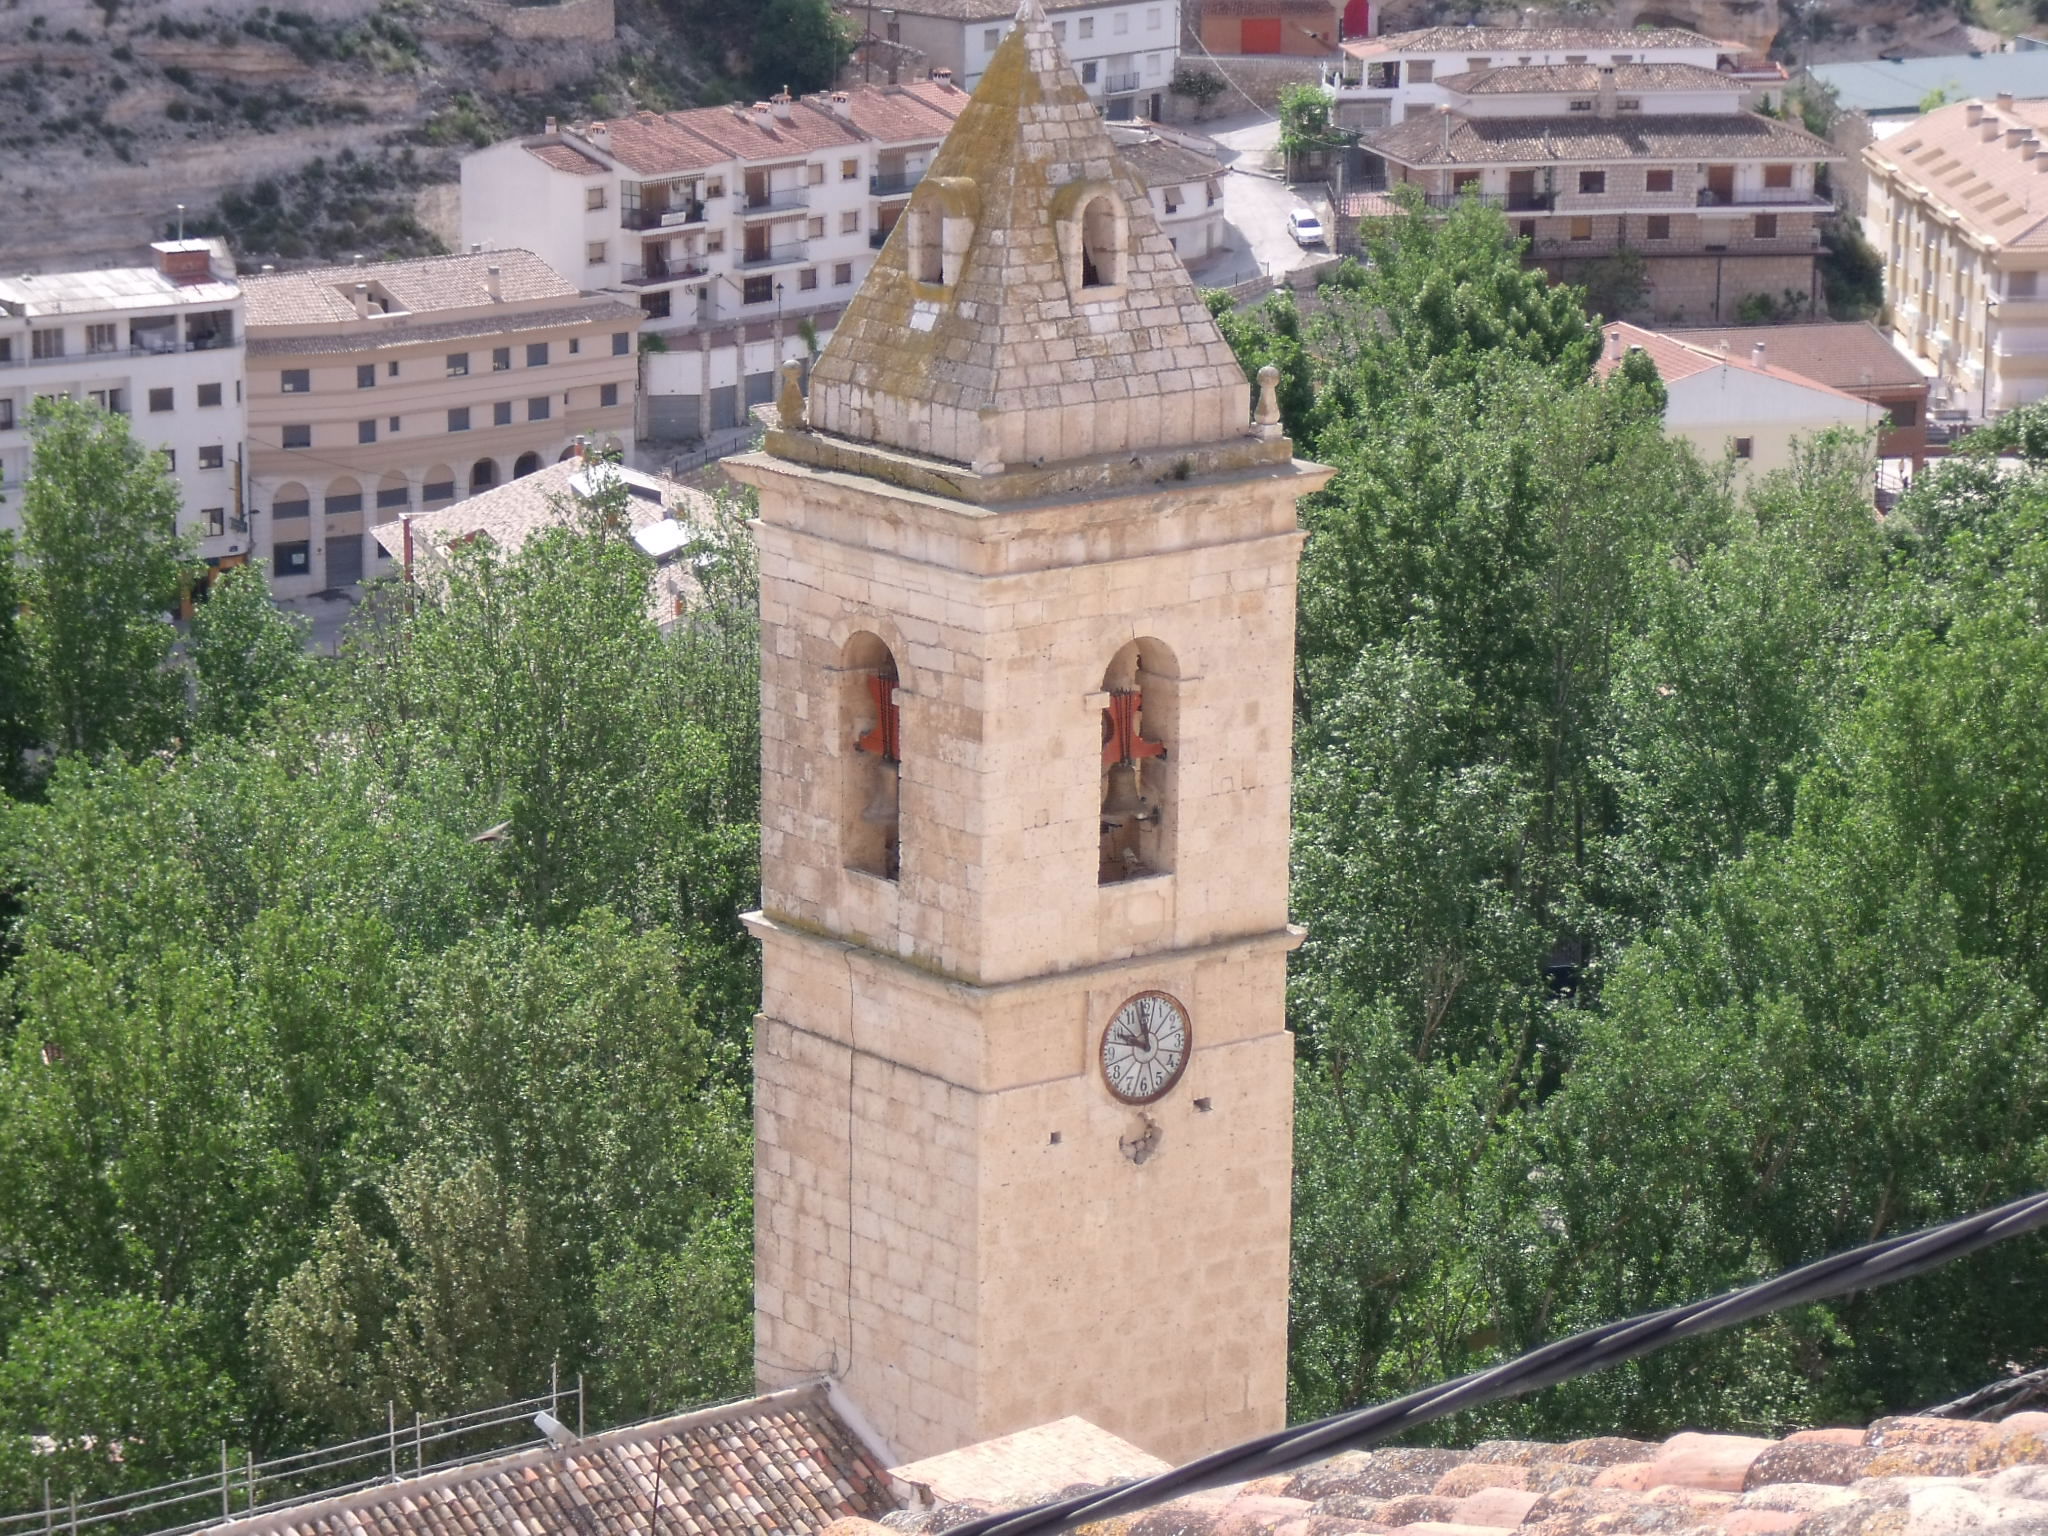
893	183
661	218
776	200
1511	202
1762	197
777	256
647	274
1119	85
877	238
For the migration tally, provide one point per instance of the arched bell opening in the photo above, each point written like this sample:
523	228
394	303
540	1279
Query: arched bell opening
1140	725
871	792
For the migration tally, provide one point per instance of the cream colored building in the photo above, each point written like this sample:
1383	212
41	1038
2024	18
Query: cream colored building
1027	597
1959	206
1735	404
377	390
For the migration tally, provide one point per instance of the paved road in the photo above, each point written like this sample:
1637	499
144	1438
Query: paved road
1255	205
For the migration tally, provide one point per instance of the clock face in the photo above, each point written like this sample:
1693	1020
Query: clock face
1145	1048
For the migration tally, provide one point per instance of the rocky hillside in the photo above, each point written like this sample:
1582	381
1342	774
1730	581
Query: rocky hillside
326	124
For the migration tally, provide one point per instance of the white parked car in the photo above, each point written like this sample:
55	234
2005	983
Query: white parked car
1306	228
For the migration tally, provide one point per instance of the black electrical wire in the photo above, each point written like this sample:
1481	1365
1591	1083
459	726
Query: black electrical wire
1860	1269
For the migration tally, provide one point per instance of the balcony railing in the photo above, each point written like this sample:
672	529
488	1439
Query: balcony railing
778	256
644	274
1119	85
661	218
1512	202
1765	197
100	358
891	183
877	238
776	200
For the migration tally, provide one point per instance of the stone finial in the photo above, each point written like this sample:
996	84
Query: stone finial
1266	418
789	404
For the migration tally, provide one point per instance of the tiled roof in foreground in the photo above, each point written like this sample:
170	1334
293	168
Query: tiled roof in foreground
784	1463
1900	1477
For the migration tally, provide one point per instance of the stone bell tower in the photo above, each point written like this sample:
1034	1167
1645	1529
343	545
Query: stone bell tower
1023	1088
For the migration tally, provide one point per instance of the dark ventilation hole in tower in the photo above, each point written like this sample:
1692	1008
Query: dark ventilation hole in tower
872	783
1139	725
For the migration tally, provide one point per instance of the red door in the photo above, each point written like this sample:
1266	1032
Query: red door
1260	34
1358	18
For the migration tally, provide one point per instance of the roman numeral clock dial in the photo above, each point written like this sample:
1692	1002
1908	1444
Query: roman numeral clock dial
1145	1048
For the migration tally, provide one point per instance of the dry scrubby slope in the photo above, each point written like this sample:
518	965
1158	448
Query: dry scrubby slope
325	117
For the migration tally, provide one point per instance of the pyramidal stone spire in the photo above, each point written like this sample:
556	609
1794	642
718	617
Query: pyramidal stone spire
1027	310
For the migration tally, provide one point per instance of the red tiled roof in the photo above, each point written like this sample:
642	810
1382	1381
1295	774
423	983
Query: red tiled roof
783	1463
1849	354
1676	359
900	114
1532	79
1481	40
1422	140
565	157
1900	1477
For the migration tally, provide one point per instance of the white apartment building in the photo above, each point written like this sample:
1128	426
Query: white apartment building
1124	53
1184	186
162	345
731	228
1952	199
1384	80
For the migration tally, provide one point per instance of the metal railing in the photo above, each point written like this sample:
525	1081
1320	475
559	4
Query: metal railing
893	182
1765	197
776	200
661	218
1119	85
780	255
253	1487
639	274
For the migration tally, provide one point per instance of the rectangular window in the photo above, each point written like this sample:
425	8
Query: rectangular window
607	394
348	501
594	252
209	394
807	279
593	198
849	170
1659	227
1592	183
170	459
366	431
814	229
501	414
394	496
1743	447
458	365
1421	71
2021	285
295	437
438	490
816	173
291	509
537	407
1582	104
757	290
1120	23
842	275
391	369
501	360
575	345
990	36
458	419
1657	181
366	375
102	338
391	425
714	241
849	222
6	414
1778	176
1059	31
1527	229
1582	229
1767	226
1087	26
46	343
1088	71
1481	63
622	343
213	456
1628	104
536	354
295	558
1152	19
294	381
216	521
161	400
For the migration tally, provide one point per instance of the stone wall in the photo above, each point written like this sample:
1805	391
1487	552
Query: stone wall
1251	80
588	21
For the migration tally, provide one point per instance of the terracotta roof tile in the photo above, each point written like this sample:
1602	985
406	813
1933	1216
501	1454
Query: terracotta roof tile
1520	79
1990	186
1849	354
713	1468
320	295
901	114
1482	40
566	157
1420	140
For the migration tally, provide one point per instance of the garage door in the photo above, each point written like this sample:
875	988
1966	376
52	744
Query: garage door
1261	34
344	559
672	418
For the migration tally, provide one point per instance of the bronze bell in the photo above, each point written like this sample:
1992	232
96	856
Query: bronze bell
881	809
1123	804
